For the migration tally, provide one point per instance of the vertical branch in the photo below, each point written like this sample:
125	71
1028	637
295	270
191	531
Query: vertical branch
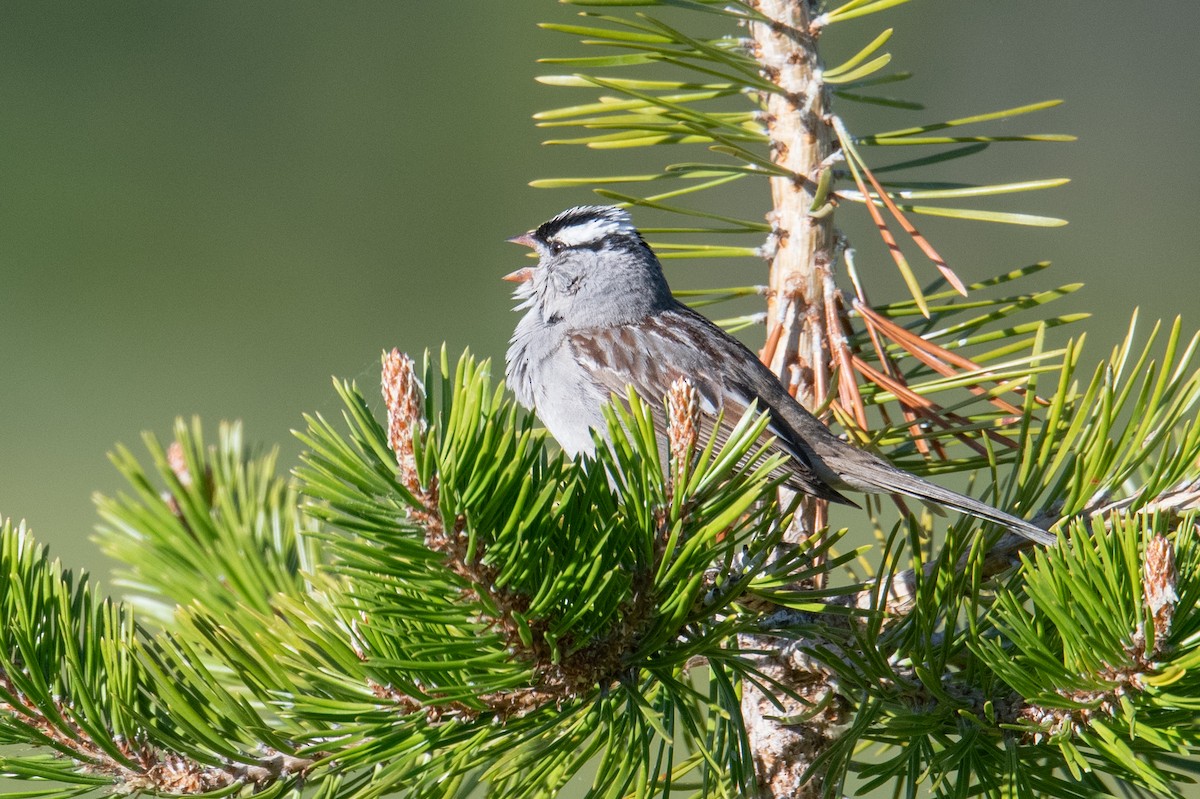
802	246
801	255
801	141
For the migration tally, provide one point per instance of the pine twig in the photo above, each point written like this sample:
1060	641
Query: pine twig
557	678
141	767
1087	706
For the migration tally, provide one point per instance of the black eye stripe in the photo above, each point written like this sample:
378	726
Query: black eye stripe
599	244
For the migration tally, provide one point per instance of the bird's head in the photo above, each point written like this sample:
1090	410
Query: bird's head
594	269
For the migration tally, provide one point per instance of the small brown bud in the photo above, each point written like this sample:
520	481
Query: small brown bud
1158	586
683	422
178	464
402	396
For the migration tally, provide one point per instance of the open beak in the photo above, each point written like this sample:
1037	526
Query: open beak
524	273
519	276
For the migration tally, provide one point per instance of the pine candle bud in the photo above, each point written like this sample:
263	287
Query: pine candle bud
683	421
402	396
1158	586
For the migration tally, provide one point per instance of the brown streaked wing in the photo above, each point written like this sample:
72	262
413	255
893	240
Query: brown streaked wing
624	355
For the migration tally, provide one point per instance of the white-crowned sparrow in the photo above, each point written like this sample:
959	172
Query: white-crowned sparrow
599	317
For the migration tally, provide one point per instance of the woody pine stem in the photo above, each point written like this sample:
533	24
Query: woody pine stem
802	246
800	253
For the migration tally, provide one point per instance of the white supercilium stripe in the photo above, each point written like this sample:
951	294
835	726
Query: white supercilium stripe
592	230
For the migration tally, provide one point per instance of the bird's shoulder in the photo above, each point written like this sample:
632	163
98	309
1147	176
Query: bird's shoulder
652	353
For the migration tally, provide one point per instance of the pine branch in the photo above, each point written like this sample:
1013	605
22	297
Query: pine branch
71	681
442	600
827	340
451	651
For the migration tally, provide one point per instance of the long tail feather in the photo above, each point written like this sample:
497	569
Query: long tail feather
885	478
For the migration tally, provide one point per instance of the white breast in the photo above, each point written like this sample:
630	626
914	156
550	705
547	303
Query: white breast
545	377
568	402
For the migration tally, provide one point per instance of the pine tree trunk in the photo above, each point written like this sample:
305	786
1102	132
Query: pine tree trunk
801	253
802	248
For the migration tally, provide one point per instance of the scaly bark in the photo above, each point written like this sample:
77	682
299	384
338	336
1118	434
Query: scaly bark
802	246
801	254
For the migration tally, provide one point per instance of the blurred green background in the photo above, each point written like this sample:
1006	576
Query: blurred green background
210	208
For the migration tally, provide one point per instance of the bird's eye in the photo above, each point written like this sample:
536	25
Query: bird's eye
557	247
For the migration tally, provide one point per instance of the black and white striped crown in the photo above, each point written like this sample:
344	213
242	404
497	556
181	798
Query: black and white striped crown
586	225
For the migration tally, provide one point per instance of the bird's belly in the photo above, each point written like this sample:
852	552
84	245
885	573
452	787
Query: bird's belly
569	406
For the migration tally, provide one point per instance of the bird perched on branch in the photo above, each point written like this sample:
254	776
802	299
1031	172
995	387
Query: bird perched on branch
599	317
